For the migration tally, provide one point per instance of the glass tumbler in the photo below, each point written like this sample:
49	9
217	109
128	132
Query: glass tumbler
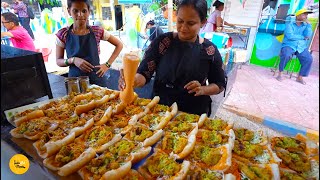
84	83
72	85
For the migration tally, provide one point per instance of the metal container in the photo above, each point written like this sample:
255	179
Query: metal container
84	83
72	85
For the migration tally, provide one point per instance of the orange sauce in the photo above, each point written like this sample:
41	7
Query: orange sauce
130	66
221	165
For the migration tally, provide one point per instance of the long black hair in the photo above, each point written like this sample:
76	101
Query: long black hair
151	22
199	5
73	1
217	4
10	17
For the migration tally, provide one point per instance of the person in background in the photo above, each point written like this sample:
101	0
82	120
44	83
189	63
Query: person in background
296	37
214	21
5	8
18	35
82	45
20	8
183	63
154	31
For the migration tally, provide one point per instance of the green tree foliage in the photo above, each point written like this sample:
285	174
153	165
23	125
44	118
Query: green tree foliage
53	3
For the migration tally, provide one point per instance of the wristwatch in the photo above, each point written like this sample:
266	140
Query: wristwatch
108	64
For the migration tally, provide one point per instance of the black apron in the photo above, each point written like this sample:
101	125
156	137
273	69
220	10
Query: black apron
178	66
85	47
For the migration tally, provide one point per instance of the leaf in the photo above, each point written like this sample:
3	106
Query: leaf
155	6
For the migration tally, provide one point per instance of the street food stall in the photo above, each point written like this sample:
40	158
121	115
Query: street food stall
103	133
92	134
230	42
227	161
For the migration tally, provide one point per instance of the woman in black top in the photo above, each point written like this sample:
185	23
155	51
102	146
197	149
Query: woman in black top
183	63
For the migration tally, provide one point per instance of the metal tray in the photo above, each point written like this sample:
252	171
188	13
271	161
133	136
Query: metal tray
24	146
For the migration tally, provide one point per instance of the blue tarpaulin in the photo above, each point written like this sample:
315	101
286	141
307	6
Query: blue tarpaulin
134	1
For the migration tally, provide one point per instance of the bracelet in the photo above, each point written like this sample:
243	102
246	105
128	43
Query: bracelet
72	61
108	64
66	62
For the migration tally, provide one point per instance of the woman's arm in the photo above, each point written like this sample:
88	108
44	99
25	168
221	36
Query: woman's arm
211	89
3	34
216	75
220	21
103	68
118	44
228	24
195	87
139	81
80	63
60	56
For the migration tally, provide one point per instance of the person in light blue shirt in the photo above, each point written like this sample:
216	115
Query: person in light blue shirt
295	42
5	7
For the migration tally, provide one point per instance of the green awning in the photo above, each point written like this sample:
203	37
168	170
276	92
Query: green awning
134	1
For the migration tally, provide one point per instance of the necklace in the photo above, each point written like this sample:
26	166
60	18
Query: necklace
80	32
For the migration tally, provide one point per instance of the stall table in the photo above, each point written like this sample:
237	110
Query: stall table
11	146
239	35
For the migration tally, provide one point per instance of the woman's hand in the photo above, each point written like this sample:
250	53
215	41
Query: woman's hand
121	82
102	69
139	81
195	87
83	65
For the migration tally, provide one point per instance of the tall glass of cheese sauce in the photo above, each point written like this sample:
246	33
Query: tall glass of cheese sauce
130	67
